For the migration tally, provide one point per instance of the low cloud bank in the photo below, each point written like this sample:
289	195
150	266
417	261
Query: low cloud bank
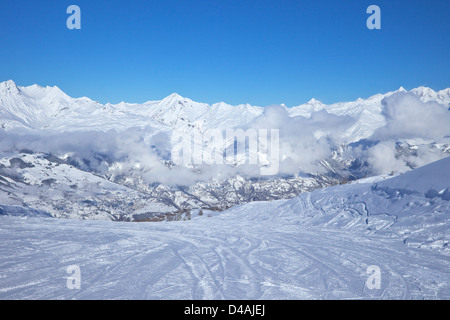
426	126
143	154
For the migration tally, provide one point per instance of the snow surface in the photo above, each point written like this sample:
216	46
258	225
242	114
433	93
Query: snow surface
318	245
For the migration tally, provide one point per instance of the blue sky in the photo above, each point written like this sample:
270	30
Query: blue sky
260	52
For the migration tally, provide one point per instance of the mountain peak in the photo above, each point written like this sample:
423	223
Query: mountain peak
48	92
9	85
314	101
425	94
423	90
173	97
444	92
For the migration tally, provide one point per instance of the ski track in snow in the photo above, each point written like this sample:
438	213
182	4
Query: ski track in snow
210	258
317	245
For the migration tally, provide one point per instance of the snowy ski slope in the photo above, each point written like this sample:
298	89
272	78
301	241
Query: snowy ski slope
318	245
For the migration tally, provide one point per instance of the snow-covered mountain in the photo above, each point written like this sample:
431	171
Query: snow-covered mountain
75	153
380	238
45	184
368	112
49	185
50	108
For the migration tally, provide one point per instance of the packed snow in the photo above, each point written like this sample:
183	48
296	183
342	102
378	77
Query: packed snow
323	244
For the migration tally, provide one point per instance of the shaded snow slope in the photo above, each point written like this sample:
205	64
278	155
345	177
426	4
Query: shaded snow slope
413	206
422	181
38	183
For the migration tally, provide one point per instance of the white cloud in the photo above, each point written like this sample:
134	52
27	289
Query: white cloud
408	117
411	120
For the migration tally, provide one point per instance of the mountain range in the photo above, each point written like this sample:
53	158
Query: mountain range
75	157
50	108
